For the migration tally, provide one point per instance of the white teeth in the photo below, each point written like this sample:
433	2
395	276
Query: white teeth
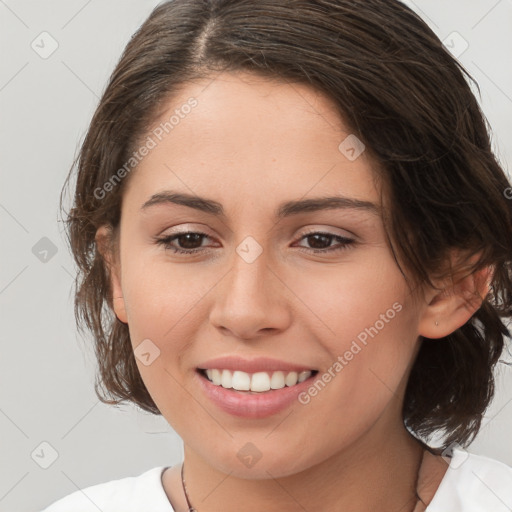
277	380
256	382
240	381
303	376
291	378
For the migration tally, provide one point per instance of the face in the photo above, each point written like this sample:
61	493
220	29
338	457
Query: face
317	288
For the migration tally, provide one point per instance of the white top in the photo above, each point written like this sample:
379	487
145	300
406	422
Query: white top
472	483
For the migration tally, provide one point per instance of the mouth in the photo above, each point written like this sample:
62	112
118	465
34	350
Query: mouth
259	395
254	383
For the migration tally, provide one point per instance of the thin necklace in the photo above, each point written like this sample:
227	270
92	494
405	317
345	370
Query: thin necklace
192	509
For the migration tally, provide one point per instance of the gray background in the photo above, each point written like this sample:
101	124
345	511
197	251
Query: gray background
46	374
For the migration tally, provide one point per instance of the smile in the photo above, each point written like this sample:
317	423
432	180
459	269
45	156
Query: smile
258	382
247	403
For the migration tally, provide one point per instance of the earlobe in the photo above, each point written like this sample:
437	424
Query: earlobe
119	309
451	307
103	243
117	295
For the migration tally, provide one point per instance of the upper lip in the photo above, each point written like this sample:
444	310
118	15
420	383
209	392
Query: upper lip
256	364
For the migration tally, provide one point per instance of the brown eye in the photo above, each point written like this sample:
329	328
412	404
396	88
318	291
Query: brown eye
320	242
190	242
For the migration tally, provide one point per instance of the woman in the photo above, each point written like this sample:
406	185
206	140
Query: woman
294	216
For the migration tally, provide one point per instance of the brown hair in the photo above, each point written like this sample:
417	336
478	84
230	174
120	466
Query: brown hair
400	91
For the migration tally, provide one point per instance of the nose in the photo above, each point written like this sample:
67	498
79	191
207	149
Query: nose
252	300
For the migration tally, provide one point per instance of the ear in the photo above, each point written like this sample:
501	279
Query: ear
103	239
455	303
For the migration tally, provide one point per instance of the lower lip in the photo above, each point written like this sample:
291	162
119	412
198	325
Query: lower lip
248	405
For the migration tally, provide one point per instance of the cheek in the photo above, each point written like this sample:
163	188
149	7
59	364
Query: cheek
350	296
158	293
163	301
367	326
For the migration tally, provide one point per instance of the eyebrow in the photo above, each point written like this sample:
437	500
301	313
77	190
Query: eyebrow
286	209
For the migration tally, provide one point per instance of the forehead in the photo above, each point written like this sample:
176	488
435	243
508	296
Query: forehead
238	136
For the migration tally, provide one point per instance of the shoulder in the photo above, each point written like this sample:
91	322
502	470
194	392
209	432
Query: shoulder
131	493
474	483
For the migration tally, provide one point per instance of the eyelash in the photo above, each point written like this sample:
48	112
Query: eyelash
166	242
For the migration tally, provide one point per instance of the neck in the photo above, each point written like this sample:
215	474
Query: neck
379	471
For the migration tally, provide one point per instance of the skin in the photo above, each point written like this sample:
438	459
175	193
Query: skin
250	144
